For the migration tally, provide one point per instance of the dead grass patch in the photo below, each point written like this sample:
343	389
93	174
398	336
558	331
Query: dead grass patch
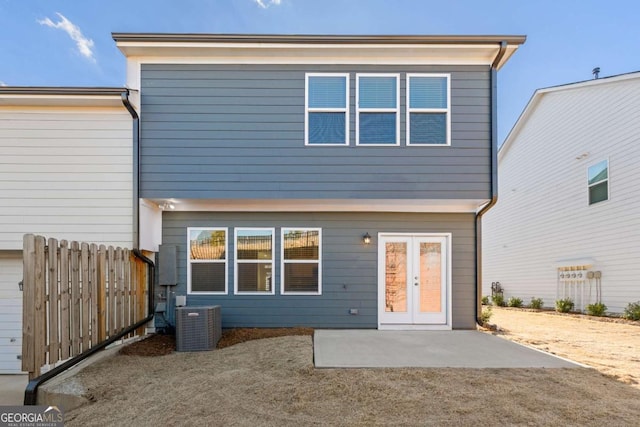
609	345
272	382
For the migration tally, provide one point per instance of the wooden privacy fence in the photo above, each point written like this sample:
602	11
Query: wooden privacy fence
75	296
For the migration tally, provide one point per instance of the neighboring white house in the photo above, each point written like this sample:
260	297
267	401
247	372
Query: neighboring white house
569	197
66	171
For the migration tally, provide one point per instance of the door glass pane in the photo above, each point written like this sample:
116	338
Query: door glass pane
396	277
430	277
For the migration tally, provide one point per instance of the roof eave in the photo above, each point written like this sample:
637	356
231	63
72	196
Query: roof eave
316	39
52	96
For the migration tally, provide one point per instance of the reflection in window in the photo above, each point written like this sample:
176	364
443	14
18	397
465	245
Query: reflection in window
207	263
428	112
254	260
301	261
378	109
599	182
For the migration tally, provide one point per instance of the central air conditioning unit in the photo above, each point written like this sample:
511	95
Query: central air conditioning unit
198	328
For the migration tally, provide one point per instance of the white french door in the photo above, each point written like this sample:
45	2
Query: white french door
413	281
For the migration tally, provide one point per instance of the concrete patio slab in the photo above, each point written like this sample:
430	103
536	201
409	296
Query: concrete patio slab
12	389
425	349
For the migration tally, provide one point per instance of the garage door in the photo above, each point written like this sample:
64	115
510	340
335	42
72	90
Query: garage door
10	312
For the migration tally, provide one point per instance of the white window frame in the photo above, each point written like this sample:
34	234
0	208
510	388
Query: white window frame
300	261
596	183
410	110
308	110
208	261
378	110
236	261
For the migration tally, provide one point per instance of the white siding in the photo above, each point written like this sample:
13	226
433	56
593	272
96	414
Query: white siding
543	215
10	312
66	173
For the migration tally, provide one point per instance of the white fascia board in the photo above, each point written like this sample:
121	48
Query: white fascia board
322	205
37	100
278	53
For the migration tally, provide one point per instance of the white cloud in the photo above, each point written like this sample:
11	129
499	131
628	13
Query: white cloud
266	3
2	83
84	45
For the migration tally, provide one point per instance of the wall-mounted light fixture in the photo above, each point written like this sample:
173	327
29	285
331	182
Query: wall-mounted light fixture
366	239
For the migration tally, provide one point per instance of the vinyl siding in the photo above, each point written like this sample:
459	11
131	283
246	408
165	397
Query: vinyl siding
349	268
66	173
543	215
237	132
10	312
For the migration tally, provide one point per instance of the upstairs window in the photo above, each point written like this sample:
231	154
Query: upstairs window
599	182
254	261
326	109
207	262
378	104
428	111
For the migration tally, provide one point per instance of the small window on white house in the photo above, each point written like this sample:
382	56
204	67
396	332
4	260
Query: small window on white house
599	182
301	261
327	109
378	105
428	113
207	260
254	261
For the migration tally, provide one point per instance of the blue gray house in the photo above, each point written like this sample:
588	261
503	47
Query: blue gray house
324	181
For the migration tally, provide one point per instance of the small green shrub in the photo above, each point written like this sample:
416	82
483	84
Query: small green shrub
486	315
632	312
498	300
564	305
536	303
515	302
597	309
485	300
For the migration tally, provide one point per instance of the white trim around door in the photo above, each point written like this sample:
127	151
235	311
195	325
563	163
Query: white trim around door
414	281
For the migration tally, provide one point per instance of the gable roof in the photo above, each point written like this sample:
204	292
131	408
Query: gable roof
539	94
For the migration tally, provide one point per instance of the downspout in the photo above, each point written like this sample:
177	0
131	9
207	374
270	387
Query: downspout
494	176
136	167
31	392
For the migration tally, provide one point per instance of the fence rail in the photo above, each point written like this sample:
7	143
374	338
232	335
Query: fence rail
75	296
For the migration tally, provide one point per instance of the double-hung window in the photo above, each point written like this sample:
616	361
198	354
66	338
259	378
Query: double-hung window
254	261
428	109
598	182
327	109
301	271
207	260
378	105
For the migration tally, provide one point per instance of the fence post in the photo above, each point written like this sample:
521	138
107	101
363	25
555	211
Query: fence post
102	294
119	291
75	298
40	312
128	320
93	278
53	302
84	261
28	304
65	313
111	324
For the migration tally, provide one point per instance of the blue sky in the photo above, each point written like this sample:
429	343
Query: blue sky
68	42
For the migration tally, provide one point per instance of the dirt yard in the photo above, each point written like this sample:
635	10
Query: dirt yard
272	382
612	346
